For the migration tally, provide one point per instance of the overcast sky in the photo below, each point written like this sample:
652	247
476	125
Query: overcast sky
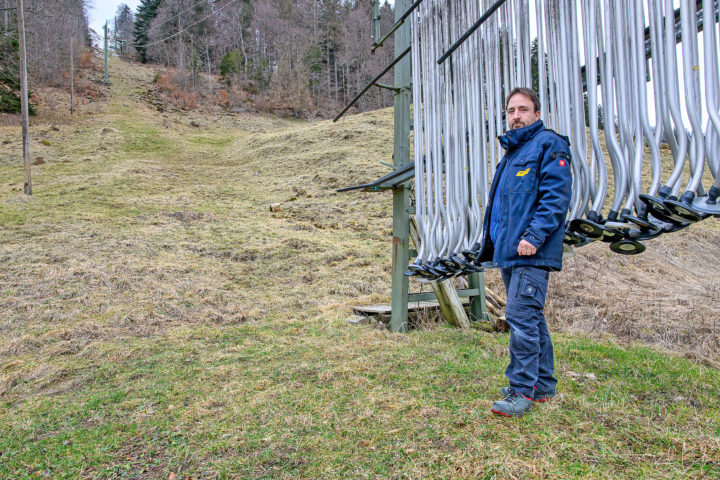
101	10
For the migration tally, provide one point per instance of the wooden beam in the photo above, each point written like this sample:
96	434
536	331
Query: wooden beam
450	304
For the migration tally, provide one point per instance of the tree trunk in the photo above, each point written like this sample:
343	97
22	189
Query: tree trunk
72	78
242	49
207	58
335	89
329	72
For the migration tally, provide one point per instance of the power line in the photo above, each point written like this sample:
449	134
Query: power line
177	15
192	24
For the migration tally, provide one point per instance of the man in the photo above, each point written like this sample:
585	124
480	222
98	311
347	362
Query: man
523	235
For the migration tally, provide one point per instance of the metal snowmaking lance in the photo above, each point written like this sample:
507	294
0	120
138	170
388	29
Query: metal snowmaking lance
488	13
397	25
678	34
372	82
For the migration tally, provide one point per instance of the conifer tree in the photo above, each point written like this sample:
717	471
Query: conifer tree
9	79
146	12
124	24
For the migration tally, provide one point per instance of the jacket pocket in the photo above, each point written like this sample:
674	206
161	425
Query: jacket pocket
523	176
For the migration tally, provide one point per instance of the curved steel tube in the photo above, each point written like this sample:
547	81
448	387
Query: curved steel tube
458	110
692	93
597	157
671	86
614	150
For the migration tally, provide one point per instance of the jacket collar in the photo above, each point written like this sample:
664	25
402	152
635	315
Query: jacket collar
514	138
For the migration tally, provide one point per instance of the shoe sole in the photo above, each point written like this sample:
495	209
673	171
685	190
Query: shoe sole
543	400
498	412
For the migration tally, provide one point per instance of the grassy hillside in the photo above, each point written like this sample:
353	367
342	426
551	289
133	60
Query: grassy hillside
158	318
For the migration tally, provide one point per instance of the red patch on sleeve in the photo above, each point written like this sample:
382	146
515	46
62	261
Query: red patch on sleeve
562	162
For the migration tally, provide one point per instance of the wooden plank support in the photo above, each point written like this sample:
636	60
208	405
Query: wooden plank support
450	304
430	296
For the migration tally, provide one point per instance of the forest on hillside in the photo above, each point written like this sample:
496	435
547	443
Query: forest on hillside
50	27
308	57
292	57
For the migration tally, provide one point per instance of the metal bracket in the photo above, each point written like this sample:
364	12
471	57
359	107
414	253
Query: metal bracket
389	87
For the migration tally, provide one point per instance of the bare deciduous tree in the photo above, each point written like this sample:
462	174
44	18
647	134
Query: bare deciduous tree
49	27
123	28
301	56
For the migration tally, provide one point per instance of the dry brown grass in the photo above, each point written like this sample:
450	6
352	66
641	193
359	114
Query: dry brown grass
179	230
668	296
142	221
158	317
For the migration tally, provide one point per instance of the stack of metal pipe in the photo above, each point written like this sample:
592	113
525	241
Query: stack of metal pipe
596	59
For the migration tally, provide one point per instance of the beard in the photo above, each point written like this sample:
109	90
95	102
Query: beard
522	123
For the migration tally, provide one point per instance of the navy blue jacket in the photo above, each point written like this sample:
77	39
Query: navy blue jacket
535	199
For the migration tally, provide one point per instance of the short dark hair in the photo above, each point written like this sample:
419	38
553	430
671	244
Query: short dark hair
528	92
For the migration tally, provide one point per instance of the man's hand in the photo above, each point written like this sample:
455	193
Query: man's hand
526	248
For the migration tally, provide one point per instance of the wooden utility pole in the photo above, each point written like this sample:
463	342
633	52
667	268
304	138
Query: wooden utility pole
72	78
27	185
106	53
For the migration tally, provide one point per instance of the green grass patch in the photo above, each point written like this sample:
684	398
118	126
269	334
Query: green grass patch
141	137
324	400
213	141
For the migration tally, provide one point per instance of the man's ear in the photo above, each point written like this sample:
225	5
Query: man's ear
537	115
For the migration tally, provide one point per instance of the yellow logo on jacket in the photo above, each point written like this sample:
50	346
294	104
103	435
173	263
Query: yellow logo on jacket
522	173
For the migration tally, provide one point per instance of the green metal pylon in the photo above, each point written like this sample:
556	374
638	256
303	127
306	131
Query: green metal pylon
376	20
401	194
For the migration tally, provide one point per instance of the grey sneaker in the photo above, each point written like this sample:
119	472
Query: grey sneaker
538	396
513	405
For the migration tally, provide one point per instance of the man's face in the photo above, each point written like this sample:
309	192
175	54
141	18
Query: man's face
521	112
